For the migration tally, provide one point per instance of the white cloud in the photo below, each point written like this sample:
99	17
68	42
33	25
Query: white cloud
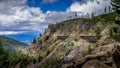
16	15
96	6
11	32
31	18
14	19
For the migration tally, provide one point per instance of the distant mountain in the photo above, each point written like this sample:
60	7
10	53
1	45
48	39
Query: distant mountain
11	45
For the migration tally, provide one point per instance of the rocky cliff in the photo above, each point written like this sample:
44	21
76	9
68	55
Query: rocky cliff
77	43
68	45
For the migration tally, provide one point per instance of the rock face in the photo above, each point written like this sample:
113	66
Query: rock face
91	39
102	57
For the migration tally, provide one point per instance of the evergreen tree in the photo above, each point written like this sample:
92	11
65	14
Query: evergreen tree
40	34
34	40
109	8
116	5
93	17
75	14
0	43
105	9
3	57
116	8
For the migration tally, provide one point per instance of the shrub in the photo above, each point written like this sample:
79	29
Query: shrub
39	58
88	51
24	61
76	39
3	57
97	32
46	38
71	44
40	41
117	20
113	32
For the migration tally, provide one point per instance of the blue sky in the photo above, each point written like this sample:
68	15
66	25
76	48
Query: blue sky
24	20
56	5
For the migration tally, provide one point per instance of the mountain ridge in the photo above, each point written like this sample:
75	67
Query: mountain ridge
11	45
54	52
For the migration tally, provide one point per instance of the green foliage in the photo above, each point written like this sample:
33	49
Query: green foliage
43	54
76	39
88	51
46	38
87	20
116	5
17	57
34	41
52	28
67	52
40	41
113	32
40	57
40	34
109	17
3	57
105	9
24	61
50	63
71	44
97	32
117	20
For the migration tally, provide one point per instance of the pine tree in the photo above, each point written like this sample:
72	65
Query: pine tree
116	8
109	8
105	9
34	40
116	5
40	34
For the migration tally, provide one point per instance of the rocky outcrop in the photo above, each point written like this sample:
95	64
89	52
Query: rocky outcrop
102	57
91	39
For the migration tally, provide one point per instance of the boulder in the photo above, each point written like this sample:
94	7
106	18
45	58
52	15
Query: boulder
107	56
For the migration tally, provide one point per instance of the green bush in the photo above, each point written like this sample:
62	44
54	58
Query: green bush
97	32
113	32
24	61
3	57
71	44
39	58
46	38
88	51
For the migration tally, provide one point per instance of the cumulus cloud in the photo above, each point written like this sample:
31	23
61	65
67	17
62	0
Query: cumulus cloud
16	15
22	17
89	6
48	1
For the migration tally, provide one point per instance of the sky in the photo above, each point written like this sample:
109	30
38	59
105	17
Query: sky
24	20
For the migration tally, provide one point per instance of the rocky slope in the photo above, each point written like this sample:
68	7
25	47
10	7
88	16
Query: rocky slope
76	43
62	45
